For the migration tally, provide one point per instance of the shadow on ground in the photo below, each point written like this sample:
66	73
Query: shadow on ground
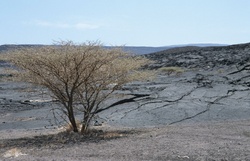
65	138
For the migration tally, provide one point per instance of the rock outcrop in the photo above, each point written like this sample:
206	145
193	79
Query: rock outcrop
201	57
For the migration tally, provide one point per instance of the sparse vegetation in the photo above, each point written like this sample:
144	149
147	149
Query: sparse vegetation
79	76
171	70
220	71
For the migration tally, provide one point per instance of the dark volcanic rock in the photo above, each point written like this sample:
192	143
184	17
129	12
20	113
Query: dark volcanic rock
201	57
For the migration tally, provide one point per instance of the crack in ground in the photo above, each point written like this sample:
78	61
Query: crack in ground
160	101
123	101
207	109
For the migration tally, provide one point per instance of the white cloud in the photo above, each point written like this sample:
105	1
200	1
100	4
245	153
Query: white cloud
80	26
50	24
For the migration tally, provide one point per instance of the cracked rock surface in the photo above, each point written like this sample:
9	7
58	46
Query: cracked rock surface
200	114
203	92
181	99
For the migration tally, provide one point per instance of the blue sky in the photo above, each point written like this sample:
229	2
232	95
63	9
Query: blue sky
125	22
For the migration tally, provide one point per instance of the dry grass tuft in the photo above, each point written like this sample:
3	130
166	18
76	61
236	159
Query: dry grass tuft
171	70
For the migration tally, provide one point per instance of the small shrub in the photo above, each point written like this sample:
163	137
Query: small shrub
171	70
220	71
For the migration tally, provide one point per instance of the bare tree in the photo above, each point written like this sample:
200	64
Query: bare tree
80	76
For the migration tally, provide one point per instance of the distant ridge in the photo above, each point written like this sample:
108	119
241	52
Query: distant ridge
141	50
201	57
137	50
7	47
189	48
187	56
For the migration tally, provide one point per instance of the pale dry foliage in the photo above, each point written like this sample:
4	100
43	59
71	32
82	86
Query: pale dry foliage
80	76
171	70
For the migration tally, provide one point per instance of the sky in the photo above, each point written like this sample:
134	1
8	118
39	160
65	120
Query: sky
125	22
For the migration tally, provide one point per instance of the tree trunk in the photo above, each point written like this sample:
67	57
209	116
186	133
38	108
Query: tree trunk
71	117
73	124
85	123
84	128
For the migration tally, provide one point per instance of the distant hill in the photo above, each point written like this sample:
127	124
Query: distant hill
141	50
188	56
201	57
137	50
4	48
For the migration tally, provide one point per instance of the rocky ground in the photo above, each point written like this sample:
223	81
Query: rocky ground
199	114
